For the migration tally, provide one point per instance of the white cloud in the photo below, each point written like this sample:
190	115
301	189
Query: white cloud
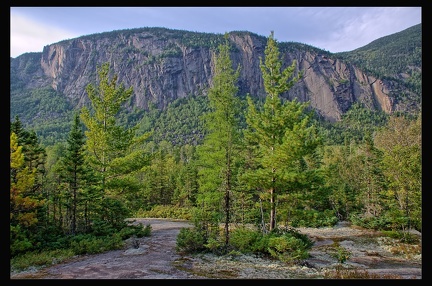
31	36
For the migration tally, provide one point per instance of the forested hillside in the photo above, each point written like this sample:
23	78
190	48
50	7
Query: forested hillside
265	164
164	66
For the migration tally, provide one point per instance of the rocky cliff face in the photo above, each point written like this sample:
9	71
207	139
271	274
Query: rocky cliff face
163	65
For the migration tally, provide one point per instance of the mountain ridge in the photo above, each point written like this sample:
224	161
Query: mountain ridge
163	65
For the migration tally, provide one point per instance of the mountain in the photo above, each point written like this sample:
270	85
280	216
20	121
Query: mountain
165	65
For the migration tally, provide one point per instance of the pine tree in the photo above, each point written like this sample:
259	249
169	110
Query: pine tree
220	147
113	150
109	144
279	135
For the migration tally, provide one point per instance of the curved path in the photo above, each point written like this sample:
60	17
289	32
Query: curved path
153	259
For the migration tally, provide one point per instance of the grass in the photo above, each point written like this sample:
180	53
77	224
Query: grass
40	259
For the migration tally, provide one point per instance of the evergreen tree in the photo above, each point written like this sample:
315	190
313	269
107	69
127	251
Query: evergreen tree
18	129
114	152
280	134
371	178
187	177
108	143
34	153
74	167
217	154
401	144
23	205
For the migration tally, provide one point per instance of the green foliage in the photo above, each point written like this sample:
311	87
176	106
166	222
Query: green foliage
167	211
287	249
371	162
220	150
19	241
111	146
216	245
341	254
138	230
112	214
353	126
66	247
313	218
82	244
288	245
382	222
306	241
402	236
179	123
406	48
33	107
39	259
190	240
245	239
280	135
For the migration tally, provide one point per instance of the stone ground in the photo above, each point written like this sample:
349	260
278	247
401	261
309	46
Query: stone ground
155	257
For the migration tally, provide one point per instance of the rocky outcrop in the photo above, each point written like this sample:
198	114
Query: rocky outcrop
163	65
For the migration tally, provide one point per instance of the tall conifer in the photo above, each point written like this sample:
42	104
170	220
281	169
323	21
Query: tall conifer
278	134
220	147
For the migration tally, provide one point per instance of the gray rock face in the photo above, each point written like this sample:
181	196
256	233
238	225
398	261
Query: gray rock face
162	67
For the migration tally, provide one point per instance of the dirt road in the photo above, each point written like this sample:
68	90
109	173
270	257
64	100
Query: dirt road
155	257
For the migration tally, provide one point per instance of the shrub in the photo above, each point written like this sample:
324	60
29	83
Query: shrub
287	245
402	236
216	246
36	258
313	218
87	244
341	254
161	211
245	240
190	240
287	248
135	230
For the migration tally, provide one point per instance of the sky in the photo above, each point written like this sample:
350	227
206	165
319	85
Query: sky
334	29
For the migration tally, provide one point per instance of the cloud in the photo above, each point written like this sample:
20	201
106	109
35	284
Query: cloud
335	29
31	36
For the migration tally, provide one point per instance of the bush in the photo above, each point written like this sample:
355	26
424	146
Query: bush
402	236
135	230
190	240
288	245
36	258
216	246
287	248
161	211
313	218
341	254
87	244
245	240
